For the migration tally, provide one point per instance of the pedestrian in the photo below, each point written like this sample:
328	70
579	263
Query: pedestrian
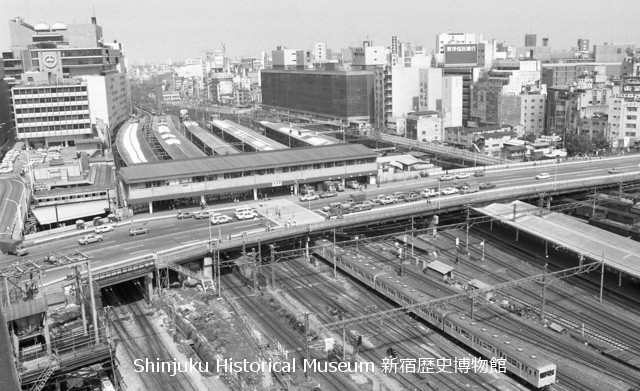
294	223
365	186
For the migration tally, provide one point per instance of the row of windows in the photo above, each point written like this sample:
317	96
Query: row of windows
48	90
73	197
33	129
57	99
82	61
81	52
52	109
249	173
54	118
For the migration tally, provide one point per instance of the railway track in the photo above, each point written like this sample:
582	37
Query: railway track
140	340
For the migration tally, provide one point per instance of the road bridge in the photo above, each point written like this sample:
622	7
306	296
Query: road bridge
201	249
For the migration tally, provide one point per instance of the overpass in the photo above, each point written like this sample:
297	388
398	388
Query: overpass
170	258
443	150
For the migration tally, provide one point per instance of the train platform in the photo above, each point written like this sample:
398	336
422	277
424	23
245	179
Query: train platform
173	141
577	236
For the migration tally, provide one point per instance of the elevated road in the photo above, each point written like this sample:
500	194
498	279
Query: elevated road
187	239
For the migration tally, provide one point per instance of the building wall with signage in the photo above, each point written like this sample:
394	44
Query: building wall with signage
460	55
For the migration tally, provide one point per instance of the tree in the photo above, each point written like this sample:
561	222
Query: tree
600	142
577	144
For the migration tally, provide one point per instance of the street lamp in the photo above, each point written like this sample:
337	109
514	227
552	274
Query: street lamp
555	177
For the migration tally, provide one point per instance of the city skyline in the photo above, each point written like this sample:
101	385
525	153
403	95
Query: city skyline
246	29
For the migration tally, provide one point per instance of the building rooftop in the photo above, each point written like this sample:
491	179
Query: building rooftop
177	169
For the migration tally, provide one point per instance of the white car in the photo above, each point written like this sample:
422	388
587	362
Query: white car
446	177
246	215
309	197
89	239
220	219
449	191
429	193
544	175
462	175
103	228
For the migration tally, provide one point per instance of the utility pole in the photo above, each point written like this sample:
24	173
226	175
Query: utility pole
93	304
306	341
467	242
457	250
544	291
335	256
273	266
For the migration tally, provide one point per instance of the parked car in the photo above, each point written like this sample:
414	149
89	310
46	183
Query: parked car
184	215
487	185
544	175
103	229
449	191
246	215
89	239
220	219
399	195
462	175
412	197
615	170
309	197
328	194
352	184
138	231
479	173
378	198
446	177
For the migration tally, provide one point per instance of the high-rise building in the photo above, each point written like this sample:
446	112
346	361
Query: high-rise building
530	40
455	38
60	59
583	45
337	94
452	101
6	120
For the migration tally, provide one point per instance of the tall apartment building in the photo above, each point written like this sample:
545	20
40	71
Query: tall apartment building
45	60
452	101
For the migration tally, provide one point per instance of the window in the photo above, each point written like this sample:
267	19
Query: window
631	126
632	117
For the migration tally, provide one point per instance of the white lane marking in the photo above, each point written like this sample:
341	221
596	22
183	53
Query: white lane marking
109	241
139	251
129	248
183	236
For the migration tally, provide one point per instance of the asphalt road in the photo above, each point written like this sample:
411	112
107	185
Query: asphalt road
171	232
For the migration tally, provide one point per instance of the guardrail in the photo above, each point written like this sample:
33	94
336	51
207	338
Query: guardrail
201	249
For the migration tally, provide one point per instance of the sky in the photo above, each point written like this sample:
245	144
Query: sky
157	30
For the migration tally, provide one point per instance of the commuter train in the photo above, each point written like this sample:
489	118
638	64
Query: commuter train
486	340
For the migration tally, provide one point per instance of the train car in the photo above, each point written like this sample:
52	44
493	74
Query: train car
520	359
487	341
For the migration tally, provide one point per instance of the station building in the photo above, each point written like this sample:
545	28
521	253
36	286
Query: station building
244	176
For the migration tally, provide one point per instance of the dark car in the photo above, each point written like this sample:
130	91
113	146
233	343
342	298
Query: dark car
412	197
184	215
487	185
138	231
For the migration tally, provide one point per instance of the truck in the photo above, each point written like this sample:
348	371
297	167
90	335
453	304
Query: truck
13	246
329	186
339	186
358	196
469	187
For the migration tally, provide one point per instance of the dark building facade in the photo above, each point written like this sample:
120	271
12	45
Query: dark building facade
468	76
344	95
6	118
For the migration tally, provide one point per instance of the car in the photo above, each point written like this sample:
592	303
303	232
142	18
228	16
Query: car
487	185
184	215
388	200
328	194
462	175
220	219
398	195
378	198
86	239
352	184
544	175
412	197
362	207
479	173
615	170
203	214
103	229
138	231
446	177
246	215
429	193
309	197
449	191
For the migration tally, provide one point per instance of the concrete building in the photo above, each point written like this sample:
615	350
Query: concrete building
567	73
6	117
443	39
452	101
469	76
368	57
488	140
430	98
530	40
424	126
52	58
613	52
583	45
335	94
622	118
